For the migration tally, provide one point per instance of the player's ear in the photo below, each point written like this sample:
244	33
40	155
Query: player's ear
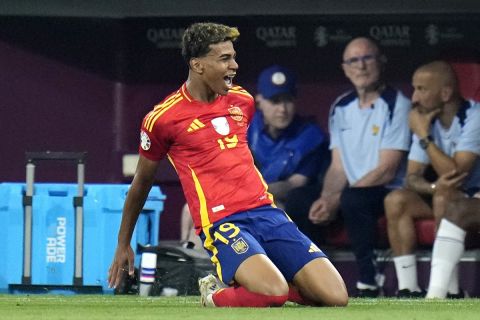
196	65
446	93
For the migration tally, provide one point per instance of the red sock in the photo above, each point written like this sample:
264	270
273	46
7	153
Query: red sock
241	297
294	296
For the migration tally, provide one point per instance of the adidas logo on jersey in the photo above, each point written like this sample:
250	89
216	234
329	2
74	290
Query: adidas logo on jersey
195	125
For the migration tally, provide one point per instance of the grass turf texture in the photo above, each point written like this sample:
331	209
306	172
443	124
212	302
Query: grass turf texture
52	307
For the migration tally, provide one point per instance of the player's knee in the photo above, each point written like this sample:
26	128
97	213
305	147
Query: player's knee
393	202
275	288
456	211
336	298
278	288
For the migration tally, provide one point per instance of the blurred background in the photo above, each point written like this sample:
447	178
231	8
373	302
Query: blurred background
80	75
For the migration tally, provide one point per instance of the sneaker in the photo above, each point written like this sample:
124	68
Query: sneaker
368	293
406	293
367	290
460	295
208	286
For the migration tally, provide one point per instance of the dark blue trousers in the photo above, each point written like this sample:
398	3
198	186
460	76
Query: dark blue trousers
361	208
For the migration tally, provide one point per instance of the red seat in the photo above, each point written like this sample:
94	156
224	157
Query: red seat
425	230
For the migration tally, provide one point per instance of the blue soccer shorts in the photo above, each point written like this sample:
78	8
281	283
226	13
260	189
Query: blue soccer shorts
264	230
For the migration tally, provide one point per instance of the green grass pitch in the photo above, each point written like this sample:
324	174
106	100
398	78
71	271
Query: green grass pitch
88	307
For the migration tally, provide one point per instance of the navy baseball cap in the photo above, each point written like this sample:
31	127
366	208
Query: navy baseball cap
276	80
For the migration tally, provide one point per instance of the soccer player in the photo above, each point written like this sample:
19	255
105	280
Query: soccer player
288	150
369	139
202	128
460	216
446	136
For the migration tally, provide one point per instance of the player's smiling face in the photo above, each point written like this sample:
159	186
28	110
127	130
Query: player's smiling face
220	67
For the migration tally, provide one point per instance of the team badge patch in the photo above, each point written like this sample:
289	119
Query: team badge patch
375	130
221	125
145	142
236	113
240	246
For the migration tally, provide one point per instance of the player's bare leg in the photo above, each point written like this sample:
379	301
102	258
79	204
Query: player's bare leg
259	274
321	284
260	282
440	201
402	208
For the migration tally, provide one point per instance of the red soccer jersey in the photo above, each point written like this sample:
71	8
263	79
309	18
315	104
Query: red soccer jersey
207	145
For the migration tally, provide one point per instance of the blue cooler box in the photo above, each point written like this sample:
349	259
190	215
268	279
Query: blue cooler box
53	231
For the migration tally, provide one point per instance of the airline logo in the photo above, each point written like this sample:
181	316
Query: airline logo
195	125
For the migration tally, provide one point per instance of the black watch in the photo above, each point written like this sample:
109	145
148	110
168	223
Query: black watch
424	142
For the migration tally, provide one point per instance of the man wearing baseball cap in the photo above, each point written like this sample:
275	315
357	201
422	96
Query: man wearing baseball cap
287	149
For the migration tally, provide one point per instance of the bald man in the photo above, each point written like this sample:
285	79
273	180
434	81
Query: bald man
369	142
446	137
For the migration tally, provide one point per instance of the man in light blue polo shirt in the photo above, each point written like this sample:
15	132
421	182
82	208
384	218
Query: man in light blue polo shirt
447	137
369	139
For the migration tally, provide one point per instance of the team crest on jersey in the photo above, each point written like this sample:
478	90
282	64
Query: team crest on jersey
240	246
145	142
221	125
375	130
236	113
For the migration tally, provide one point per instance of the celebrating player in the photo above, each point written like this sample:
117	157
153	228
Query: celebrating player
202	128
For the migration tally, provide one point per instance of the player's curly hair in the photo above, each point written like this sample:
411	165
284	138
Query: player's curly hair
198	37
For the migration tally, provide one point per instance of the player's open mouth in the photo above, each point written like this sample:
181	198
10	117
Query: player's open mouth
229	80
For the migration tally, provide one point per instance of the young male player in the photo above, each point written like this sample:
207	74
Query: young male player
202	129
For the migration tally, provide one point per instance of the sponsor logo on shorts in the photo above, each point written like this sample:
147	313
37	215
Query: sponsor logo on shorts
240	246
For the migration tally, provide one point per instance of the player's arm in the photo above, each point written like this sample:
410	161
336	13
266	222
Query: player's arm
136	197
335	178
334	182
415	179
280	188
325	208
385	171
462	161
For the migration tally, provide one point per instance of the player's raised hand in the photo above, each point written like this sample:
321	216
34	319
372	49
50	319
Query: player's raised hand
123	262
